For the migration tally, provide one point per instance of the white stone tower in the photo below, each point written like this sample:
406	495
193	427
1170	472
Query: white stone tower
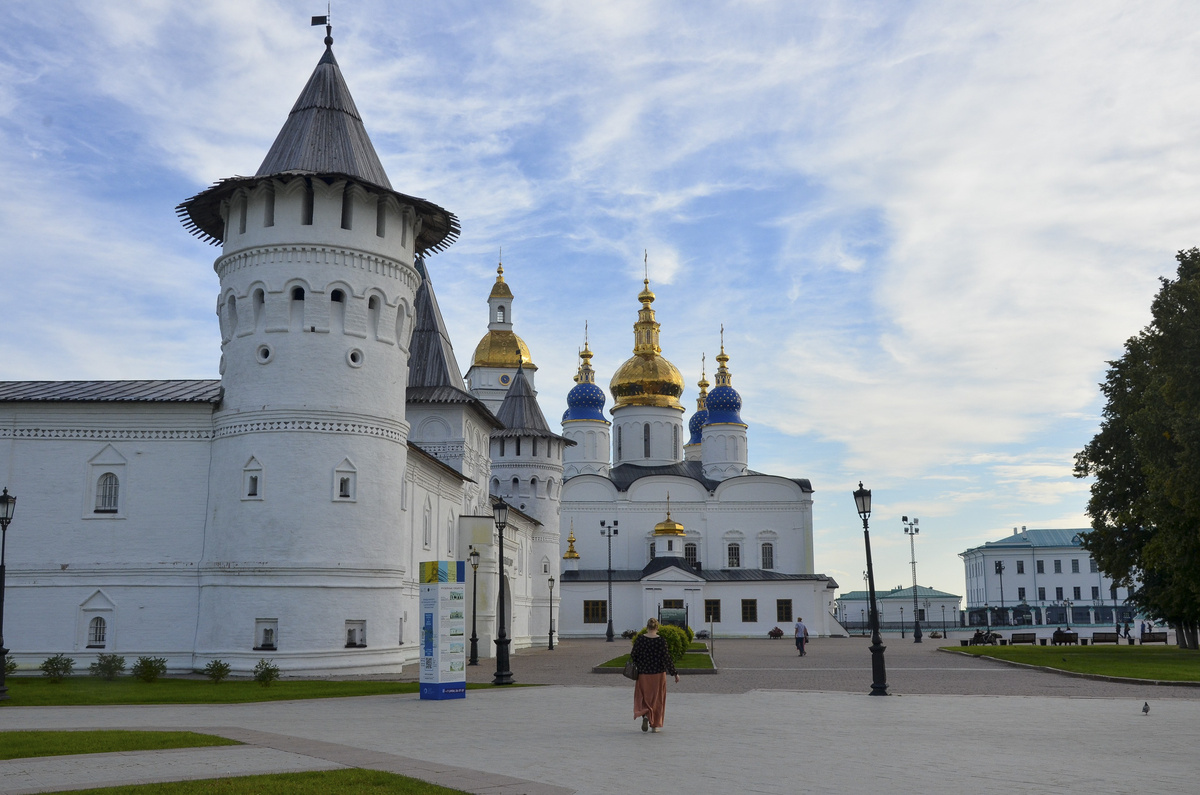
302	561
647	416
500	352
584	423
723	450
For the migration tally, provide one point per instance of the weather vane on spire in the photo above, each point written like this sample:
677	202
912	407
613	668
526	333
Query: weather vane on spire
327	21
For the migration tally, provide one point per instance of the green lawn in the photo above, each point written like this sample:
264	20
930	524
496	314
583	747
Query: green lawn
22	744
689	661
1166	663
316	783
35	691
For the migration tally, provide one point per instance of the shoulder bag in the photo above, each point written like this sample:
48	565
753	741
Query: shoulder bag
631	671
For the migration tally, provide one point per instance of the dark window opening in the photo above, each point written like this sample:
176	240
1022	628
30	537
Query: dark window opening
337	296
306	205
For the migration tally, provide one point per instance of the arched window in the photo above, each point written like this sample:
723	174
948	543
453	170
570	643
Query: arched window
646	440
297	293
618	444
427	525
533	486
516	485
735	556
652	550
97	631
108	491
499	314
260	300
373	310
768	555
496	486
344	488
689	554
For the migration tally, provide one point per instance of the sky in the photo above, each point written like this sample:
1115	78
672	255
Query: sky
925	227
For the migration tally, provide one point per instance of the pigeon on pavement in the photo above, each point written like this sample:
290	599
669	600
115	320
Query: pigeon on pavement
1146	708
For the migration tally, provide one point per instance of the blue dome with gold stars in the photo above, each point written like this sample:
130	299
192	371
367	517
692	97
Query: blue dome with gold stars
724	403
585	401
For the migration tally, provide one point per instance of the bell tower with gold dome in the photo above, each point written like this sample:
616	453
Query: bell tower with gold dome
498	354
647	414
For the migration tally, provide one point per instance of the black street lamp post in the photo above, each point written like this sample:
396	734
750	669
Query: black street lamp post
911	530
551	633
609	532
862	500
503	675
8	504
944	635
474	558
902	621
863	621
1000	571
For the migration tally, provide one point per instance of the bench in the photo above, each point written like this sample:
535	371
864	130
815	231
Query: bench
1154	637
1023	637
1105	637
1065	639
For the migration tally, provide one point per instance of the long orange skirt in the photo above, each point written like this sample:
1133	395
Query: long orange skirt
650	698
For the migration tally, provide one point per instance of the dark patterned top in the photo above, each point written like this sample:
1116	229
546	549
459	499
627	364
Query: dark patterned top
651	655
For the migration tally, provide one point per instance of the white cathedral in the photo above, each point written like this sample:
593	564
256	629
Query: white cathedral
283	510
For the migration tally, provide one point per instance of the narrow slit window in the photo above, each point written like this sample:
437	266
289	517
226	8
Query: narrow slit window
344	488
380	218
242	215
269	207
646	440
306	205
500	314
252	488
347	209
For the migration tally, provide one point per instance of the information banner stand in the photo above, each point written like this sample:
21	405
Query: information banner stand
443	629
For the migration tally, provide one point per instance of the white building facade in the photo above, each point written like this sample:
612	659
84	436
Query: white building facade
937	610
1040	577
741	559
283	510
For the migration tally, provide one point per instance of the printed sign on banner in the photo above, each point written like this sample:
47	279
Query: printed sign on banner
443	629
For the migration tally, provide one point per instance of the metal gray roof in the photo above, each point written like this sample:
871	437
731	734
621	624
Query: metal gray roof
520	414
324	138
1050	537
324	132
709	575
431	360
903	594
205	391
626	475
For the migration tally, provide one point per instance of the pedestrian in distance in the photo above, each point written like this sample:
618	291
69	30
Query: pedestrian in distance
653	660
801	635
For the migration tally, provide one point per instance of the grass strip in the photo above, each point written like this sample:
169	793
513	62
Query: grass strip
29	691
319	782
24	744
689	661
1168	664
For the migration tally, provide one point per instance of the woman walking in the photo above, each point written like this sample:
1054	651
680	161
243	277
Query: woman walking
653	660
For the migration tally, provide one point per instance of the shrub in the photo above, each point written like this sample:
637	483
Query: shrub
216	670
676	638
57	668
266	672
149	669
10	666
108	666
691	634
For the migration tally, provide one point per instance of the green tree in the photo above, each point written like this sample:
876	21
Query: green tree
1145	500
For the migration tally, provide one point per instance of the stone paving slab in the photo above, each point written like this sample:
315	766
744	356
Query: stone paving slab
56	773
953	724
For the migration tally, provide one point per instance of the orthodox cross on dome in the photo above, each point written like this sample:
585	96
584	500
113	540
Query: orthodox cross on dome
586	374
723	376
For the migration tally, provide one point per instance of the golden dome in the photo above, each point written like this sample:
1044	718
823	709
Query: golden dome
646	379
498	348
668	527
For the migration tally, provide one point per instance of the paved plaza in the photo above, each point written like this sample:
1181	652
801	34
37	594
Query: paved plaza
770	722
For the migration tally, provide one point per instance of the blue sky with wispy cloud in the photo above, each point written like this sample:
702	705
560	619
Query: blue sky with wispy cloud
925	226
